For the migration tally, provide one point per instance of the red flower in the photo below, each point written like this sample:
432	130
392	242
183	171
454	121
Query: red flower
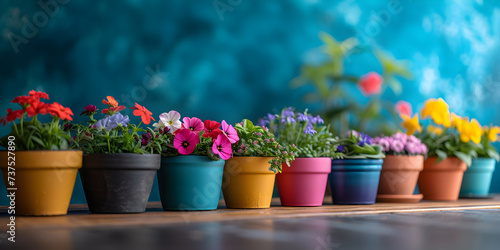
24	100
111	101
143	113
39	94
113	109
211	129
37	107
13	115
89	109
370	84
57	109
3	120
403	107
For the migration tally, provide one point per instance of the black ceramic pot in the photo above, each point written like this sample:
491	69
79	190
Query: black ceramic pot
118	183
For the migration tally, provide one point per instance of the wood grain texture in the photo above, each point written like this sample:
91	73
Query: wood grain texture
79	217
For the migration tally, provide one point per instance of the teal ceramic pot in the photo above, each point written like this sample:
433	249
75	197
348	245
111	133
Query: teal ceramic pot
355	181
190	182
477	178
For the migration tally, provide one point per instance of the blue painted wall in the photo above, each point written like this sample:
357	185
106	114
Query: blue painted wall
233	62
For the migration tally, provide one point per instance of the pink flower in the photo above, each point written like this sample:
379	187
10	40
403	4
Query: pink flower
413	139
230	132
222	147
385	143
370	84
185	141
423	148
412	148
400	136
194	124
405	108
397	146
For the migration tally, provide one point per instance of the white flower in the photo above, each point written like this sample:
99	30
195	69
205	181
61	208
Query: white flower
159	124
171	120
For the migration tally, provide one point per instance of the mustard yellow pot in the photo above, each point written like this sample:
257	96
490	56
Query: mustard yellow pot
44	180
248	182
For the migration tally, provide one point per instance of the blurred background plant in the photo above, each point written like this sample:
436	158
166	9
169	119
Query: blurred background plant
341	106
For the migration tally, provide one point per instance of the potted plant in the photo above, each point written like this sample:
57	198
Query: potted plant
38	167
119	163
304	182
477	178
355	178
449	139
192	165
249	176
402	165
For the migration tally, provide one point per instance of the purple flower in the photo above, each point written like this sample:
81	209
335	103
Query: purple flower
320	121
413	139
271	117
89	109
423	148
312	119
364	139
262	122
400	136
302	117
412	148
310	130
340	148
67	126
144	142
397	146
288	112
384	143
287	120
111	122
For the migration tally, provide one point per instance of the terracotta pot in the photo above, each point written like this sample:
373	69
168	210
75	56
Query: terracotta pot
118	183
44	180
399	174
303	184
441	181
248	182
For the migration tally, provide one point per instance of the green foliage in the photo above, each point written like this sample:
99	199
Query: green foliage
121	139
303	131
258	141
34	135
448	144
359	146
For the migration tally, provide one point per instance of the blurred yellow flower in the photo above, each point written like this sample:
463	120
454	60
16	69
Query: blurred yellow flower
469	130
493	133
435	130
438	110
411	124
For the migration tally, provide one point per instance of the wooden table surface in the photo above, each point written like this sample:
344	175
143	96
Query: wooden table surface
326	227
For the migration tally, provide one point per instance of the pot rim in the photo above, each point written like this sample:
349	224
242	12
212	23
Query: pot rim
54	160
121	161
302	165
253	165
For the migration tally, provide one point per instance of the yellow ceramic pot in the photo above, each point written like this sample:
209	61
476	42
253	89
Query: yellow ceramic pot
248	182
44	180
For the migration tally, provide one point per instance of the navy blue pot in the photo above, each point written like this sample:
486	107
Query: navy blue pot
355	181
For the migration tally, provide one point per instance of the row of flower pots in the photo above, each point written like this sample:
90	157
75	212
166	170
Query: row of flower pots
121	183
194	160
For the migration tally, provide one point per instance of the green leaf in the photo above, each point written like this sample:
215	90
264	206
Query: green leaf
441	155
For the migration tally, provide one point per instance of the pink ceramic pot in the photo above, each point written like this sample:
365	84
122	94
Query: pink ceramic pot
303	184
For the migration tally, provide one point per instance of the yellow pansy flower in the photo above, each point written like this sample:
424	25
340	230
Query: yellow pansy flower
438	110
493	133
469	130
411	124
435	130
